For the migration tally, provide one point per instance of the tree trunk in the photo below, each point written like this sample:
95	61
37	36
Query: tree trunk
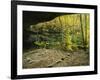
82	30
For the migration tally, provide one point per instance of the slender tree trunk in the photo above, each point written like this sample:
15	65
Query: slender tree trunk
82	30
86	30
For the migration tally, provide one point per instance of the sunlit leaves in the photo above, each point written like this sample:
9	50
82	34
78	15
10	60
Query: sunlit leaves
70	30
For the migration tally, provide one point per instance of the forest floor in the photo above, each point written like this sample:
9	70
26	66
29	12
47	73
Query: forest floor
44	58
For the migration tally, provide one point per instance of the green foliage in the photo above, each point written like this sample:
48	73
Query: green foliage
66	31
40	44
67	41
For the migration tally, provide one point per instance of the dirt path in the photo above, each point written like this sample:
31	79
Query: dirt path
43	58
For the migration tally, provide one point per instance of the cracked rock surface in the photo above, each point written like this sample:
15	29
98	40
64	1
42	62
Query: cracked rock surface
44	58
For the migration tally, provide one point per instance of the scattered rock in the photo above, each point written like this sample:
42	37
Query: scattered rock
42	58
